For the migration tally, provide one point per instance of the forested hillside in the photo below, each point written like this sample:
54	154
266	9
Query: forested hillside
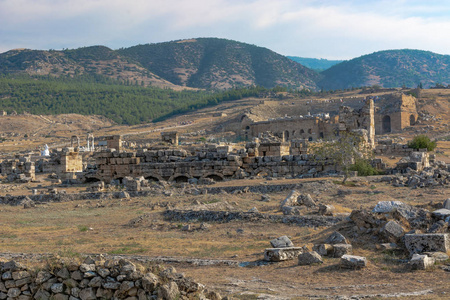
97	95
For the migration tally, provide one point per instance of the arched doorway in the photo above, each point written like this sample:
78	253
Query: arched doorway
412	120
286	135
386	124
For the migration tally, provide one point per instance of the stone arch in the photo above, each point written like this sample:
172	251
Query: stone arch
153	177
262	171
310	131
386	124
215	176
180	178
302	131
412	120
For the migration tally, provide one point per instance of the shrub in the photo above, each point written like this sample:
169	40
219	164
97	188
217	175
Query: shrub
364	168
421	141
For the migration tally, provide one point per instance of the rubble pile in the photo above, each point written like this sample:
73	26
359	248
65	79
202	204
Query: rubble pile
436	175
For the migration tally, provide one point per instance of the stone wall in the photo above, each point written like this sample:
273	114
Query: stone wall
216	163
301	127
97	278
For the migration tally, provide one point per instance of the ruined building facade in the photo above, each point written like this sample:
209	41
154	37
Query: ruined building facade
395	112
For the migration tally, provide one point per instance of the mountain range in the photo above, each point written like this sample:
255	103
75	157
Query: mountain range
213	63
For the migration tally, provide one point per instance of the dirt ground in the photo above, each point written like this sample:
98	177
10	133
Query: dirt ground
103	226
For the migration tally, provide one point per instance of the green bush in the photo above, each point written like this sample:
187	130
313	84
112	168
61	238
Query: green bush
364	168
421	141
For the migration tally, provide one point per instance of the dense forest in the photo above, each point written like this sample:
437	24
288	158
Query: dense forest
98	95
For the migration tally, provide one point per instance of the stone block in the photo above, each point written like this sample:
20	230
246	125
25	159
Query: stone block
353	262
323	249
441	213
342	249
418	243
336	238
281	254
309	258
393	231
281	242
421	262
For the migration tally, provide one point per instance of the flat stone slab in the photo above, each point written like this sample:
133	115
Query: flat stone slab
281	254
441	213
431	242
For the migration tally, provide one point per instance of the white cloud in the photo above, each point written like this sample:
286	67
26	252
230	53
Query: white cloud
315	28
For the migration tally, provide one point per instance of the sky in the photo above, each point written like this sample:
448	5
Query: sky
331	29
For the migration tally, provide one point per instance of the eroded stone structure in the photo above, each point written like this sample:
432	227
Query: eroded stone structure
19	168
395	112
170	137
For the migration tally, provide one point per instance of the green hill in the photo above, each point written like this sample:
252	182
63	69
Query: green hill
316	64
390	68
220	64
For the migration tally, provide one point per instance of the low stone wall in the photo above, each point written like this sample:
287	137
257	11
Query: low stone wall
228	216
97	279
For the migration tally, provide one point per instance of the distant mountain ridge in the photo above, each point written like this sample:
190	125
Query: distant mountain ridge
208	63
389	68
213	63
317	64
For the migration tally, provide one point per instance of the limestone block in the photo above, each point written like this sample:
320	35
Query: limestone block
393	230
291	199
309	258
281	242
353	262
441	213
418	243
340	250
421	262
323	249
280	254
387	206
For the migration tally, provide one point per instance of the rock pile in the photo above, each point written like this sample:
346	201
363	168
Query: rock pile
295	203
97	279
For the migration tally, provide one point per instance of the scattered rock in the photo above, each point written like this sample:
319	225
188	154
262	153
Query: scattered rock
421	262
336	238
353	262
309	258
